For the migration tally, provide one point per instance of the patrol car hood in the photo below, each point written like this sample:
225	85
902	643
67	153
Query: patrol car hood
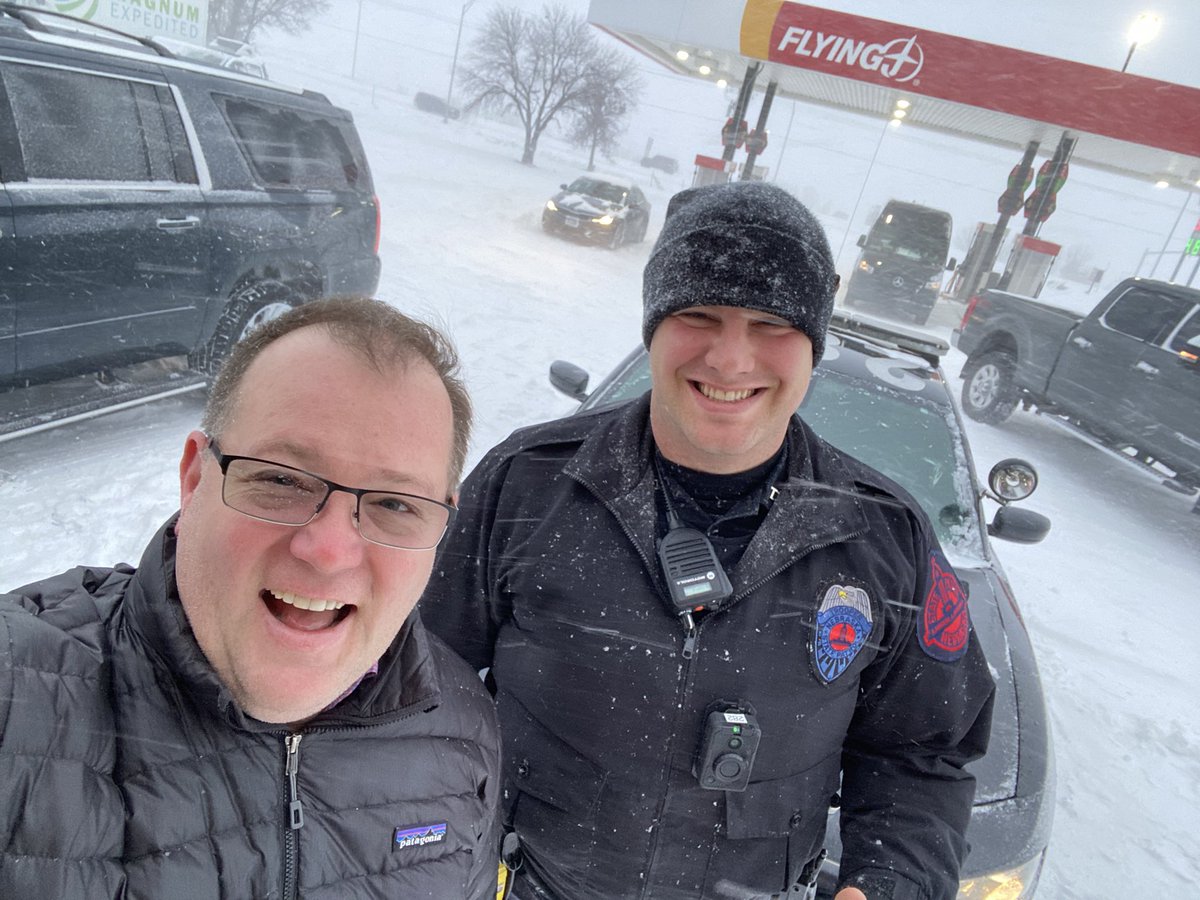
583	204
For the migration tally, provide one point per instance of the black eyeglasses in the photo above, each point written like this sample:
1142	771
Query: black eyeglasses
272	492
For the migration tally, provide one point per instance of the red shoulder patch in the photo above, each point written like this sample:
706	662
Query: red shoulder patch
945	623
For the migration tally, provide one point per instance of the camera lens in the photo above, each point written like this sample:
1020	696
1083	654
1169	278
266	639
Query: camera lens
728	767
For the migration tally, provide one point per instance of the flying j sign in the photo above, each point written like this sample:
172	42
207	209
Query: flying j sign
1028	85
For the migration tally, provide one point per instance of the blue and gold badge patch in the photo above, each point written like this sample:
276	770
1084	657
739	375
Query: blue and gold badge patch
945	624
843	623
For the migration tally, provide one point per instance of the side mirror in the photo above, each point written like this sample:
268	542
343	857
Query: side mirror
1012	479
568	378
1021	526
862	240
562	187
952	264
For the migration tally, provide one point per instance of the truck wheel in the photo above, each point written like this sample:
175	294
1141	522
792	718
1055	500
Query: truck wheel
988	392
248	307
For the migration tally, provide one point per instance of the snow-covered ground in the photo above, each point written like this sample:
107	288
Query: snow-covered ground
1110	597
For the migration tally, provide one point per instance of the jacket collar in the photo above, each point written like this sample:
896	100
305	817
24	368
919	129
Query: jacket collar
817	505
406	683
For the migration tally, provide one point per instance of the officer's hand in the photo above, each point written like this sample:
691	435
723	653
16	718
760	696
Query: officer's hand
850	893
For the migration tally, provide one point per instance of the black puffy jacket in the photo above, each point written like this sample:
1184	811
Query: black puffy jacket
551	578
127	772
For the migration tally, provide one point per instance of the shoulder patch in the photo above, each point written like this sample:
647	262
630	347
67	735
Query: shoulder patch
945	624
843	623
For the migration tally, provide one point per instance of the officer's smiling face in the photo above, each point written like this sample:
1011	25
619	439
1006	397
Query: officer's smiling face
726	381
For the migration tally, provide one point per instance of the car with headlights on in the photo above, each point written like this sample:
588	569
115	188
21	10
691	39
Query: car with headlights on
601	209
880	395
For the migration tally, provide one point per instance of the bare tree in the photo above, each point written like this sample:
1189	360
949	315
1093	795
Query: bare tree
538	66
241	18
610	95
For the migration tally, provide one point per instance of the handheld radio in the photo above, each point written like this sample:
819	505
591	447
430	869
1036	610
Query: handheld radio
695	578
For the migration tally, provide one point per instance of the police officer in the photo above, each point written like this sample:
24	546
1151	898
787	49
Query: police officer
704	625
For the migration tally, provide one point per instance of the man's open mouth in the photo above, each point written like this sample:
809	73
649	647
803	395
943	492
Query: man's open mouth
717	394
305	613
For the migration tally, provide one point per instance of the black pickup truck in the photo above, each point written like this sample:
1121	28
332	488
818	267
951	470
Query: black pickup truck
1127	373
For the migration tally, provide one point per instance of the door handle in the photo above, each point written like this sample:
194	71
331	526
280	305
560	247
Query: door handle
1145	368
178	224
1082	343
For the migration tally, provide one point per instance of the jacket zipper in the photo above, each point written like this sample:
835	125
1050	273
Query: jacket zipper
291	799
291	840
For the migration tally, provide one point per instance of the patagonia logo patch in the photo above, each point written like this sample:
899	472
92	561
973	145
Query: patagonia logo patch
418	836
945	624
843	623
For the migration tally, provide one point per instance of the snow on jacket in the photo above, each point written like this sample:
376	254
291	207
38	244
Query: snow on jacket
551	578
126	771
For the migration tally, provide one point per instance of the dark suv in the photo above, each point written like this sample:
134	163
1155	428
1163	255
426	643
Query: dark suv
151	206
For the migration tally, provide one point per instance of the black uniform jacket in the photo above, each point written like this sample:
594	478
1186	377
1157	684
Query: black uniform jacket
551	578
127	772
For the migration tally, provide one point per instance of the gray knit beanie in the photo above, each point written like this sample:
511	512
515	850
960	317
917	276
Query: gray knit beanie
745	243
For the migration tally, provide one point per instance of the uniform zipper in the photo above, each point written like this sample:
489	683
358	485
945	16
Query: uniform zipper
291	840
689	635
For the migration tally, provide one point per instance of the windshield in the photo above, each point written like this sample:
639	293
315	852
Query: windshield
912	234
602	190
907	439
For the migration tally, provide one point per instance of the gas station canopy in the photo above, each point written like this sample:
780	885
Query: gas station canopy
1127	124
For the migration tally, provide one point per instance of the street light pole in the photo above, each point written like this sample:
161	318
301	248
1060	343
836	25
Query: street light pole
1129	56
354	56
454	62
871	165
1143	29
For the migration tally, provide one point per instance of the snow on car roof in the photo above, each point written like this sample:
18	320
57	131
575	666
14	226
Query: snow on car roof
621	181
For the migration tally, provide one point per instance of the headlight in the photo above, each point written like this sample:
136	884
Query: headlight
934	283
550	206
1009	884
865	266
605	219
